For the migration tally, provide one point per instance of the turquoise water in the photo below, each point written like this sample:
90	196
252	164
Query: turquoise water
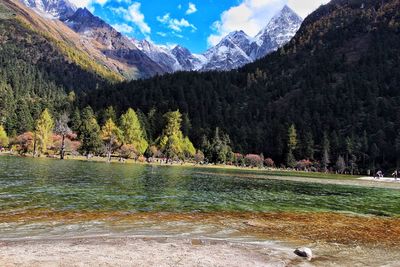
30	184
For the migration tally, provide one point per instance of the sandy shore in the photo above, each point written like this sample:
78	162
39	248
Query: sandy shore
160	252
130	251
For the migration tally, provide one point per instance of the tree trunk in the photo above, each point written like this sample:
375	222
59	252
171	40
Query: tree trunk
62	147
34	144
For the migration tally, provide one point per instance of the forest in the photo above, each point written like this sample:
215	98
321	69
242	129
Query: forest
328	100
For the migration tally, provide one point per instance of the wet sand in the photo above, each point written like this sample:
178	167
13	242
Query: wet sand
130	251
158	251
254	239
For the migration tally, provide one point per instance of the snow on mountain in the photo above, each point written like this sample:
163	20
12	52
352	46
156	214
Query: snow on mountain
187	60
279	31
60	9
160	54
231	52
234	50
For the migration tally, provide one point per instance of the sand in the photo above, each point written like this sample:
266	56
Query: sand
134	251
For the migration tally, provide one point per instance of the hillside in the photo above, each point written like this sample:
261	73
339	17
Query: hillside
337	81
37	70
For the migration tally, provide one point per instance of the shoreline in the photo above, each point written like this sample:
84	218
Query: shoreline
167	251
266	170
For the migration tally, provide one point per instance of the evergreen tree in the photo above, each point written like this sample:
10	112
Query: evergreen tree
325	161
76	120
308	146
44	132
221	152
291	146
89	132
132	132
108	113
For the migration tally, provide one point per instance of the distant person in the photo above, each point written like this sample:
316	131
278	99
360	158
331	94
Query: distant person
379	174
395	174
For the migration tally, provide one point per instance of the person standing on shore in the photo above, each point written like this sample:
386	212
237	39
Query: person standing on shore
395	174
379	174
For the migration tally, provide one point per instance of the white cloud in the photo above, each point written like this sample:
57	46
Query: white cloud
134	15
162	34
175	24
253	15
88	3
191	9
179	6
123	28
305	7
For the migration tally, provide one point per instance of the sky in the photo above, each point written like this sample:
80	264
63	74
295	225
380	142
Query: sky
194	24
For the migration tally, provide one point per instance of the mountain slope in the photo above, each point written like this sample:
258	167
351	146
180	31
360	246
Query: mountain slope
336	80
61	9
66	40
113	45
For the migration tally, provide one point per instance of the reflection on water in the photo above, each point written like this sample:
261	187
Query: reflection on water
27	184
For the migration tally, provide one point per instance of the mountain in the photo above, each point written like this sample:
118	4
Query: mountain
337	81
232	52
187	60
113	45
161	55
143	59
282	27
237	48
61	9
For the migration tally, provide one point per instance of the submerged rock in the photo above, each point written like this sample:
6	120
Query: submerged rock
304	252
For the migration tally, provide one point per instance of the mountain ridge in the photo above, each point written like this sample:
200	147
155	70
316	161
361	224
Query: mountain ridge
148	59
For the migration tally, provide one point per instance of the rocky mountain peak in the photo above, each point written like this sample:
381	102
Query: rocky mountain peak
61	9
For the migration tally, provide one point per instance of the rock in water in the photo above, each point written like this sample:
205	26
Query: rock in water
304	252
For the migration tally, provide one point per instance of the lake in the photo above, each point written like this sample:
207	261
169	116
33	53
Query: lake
52	198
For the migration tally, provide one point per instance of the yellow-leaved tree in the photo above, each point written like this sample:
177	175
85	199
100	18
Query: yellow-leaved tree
133	133
43	132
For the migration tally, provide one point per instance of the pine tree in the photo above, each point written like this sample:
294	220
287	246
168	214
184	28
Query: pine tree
89	132
76	120
44	131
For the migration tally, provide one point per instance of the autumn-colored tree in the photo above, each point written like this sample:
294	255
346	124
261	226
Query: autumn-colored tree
132	132
43	132
291	146
171	142
111	136
4	141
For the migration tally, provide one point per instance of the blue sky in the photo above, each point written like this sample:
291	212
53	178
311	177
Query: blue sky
195	24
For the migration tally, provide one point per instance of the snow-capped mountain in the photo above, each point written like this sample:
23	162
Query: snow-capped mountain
60	9
160	54
187	60
238	49
279	31
232	52
148	59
